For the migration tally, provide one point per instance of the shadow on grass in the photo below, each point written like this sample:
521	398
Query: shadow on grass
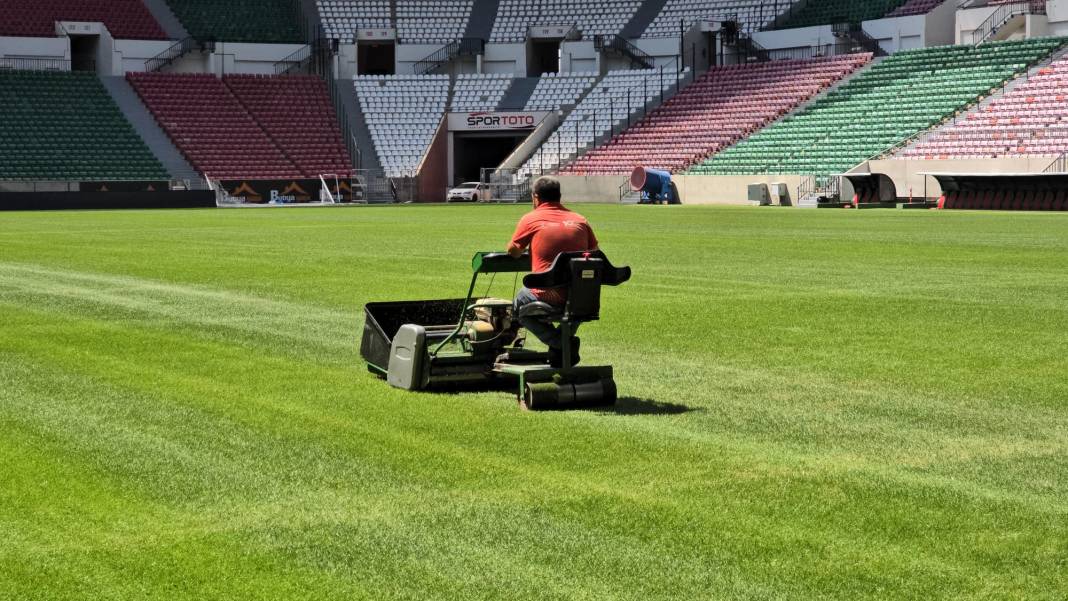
629	405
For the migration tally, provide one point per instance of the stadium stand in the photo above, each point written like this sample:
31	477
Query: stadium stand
618	96
905	94
285	133
402	112
262	21
914	7
341	18
516	17
1029	120
558	89
421	22
125	19
751	14
717	110
479	91
297	114
64	126
829	12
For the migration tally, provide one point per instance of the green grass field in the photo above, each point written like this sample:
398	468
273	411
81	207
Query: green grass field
817	405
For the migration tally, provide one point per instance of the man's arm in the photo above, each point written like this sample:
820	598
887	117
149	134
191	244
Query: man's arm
515	250
524	233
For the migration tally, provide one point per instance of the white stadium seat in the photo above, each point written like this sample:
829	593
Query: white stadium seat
479	92
402	113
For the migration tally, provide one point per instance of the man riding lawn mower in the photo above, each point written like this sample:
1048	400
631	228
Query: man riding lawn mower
485	344
416	345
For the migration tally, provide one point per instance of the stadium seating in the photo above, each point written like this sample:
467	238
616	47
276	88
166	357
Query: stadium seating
479	91
829	12
298	115
262	21
64	126
904	94
722	106
402	112
341	18
421	22
557	89
1000	199
620	95
218	134
1029	120
915	7
751	14
125	19
592	17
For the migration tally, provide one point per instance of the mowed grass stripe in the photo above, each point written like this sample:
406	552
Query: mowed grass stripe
756	457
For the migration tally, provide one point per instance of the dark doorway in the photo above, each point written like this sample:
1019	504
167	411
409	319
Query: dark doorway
473	152
83	50
544	57
379	58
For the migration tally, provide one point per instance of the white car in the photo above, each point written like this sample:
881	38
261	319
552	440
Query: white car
468	192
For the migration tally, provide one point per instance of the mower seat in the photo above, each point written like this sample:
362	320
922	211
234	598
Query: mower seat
541	310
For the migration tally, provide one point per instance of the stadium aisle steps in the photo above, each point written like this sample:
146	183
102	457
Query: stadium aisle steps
904	94
721	107
150	132
64	126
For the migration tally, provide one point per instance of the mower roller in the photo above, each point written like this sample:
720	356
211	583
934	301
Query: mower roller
478	342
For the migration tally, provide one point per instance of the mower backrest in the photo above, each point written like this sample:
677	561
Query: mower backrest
582	273
584	291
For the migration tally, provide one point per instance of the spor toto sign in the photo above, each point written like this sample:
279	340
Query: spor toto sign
495	120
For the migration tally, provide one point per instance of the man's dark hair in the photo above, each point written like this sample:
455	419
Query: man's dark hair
547	189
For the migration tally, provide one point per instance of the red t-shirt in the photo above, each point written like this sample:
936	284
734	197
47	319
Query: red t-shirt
550	230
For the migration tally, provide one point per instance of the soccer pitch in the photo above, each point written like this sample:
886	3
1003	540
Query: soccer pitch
814	404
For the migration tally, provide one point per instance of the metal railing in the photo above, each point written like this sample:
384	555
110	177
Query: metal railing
177	51
27	63
1002	15
442	56
799	53
615	43
315	58
856	33
1059	165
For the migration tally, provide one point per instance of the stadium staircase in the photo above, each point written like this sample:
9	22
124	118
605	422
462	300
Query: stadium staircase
59	126
155	138
642	18
904	94
167	19
366	156
515	99
256	21
480	25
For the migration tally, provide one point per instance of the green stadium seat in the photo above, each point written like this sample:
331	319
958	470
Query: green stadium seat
64	126
261	21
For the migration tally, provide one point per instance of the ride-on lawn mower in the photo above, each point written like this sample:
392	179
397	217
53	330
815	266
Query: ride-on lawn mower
438	344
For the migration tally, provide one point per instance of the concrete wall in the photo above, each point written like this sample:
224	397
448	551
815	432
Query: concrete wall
132	54
694	189
907	173
57	48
